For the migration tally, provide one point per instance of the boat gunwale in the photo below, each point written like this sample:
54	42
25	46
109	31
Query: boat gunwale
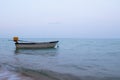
40	42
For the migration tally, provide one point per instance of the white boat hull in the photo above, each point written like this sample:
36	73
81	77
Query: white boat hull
37	45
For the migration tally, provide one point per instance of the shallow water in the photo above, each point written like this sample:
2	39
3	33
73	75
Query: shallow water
74	59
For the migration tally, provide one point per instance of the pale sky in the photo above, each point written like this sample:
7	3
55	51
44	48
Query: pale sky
60	18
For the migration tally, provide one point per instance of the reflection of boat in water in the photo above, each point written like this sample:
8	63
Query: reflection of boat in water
43	52
51	44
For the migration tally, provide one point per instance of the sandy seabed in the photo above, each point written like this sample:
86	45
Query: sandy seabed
6	74
29	74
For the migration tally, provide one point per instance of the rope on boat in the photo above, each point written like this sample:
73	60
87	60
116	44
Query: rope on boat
25	41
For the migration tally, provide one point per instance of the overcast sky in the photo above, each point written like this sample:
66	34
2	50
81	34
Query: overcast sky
60	18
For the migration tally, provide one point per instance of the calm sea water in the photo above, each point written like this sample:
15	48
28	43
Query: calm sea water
74	59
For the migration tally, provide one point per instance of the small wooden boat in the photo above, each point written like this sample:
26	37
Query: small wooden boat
35	45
